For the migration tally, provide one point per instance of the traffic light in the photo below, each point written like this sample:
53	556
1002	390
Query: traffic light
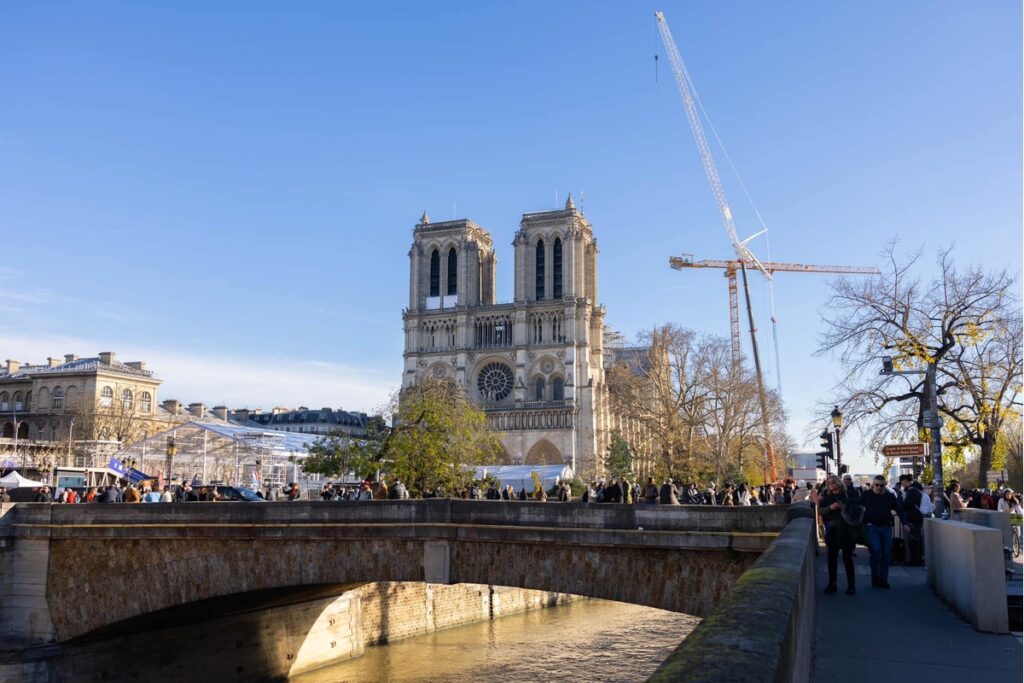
827	451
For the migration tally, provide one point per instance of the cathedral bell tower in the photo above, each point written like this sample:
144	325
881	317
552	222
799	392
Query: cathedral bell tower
556	256
451	264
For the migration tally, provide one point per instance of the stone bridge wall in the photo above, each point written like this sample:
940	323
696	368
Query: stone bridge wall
58	563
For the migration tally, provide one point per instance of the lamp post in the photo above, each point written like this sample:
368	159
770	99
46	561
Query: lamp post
934	424
837	422
71	434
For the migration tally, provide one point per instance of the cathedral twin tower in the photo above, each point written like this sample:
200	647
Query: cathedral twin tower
534	365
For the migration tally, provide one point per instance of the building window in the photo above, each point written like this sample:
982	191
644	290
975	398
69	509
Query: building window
539	393
145	402
58	398
18	405
127	399
558	389
106	397
435	273
557	266
5	404
539	261
453	272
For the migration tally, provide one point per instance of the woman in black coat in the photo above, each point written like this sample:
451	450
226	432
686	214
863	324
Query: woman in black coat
840	531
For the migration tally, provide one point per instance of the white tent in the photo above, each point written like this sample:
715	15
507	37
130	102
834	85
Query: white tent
519	476
14	480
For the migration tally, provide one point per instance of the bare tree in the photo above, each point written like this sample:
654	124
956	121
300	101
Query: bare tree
704	413
962	320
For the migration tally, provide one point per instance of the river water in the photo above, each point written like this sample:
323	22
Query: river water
586	640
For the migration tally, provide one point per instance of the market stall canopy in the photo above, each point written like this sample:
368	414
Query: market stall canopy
13	480
520	476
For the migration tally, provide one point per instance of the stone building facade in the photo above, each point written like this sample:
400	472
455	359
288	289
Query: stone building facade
535	365
39	401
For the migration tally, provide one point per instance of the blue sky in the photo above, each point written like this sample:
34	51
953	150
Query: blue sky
227	190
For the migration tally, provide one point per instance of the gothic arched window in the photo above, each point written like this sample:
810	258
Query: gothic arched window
146	402
453	272
106	397
557	266
58	398
540	269
435	273
539	393
126	399
558	390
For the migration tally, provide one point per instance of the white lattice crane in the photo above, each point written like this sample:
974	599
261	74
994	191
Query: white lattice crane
744	256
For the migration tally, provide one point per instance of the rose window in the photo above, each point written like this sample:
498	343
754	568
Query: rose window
495	382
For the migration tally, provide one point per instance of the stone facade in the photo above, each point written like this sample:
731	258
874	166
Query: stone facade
39	401
535	365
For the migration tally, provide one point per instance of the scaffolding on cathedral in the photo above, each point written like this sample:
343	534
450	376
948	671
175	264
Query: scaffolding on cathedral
203	452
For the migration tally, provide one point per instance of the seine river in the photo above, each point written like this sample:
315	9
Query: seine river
582	641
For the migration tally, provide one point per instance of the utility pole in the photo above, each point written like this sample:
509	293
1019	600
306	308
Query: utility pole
932	422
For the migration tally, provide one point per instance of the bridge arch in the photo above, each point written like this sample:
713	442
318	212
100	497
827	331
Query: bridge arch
168	555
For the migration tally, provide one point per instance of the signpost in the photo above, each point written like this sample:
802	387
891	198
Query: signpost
903	450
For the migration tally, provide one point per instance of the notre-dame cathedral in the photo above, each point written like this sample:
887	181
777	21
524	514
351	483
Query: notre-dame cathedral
535	365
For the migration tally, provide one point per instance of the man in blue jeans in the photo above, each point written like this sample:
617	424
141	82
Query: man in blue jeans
879	506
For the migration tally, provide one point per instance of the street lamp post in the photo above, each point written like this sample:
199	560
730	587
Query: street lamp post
71	434
837	422
934	424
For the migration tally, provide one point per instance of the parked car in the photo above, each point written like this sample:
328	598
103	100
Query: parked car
236	494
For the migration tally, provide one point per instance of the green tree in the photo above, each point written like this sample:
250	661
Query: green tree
435	438
619	461
438	435
337	454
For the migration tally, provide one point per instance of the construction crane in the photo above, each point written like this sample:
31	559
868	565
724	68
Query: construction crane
730	268
744	256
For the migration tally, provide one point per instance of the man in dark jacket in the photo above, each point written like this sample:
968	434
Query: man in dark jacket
879	506
669	493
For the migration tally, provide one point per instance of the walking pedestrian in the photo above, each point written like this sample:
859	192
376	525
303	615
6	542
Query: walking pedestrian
880	505
840	533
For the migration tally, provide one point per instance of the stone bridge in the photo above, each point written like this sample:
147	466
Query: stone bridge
70	570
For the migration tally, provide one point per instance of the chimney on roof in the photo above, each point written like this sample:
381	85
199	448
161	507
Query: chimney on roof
70	357
12	366
137	365
325	410
220	411
53	362
197	409
172	406
277	410
240	415
107	357
303	408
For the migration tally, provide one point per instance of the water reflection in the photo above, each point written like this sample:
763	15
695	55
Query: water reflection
583	641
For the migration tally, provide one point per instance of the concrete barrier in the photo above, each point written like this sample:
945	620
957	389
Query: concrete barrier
965	568
990	519
763	629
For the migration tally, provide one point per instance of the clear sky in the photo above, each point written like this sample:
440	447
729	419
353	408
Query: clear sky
227	190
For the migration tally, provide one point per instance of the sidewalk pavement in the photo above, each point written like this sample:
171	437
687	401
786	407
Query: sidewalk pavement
902	634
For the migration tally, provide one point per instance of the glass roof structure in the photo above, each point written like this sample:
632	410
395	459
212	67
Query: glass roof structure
206	452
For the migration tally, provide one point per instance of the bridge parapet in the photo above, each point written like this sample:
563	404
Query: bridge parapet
58	562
